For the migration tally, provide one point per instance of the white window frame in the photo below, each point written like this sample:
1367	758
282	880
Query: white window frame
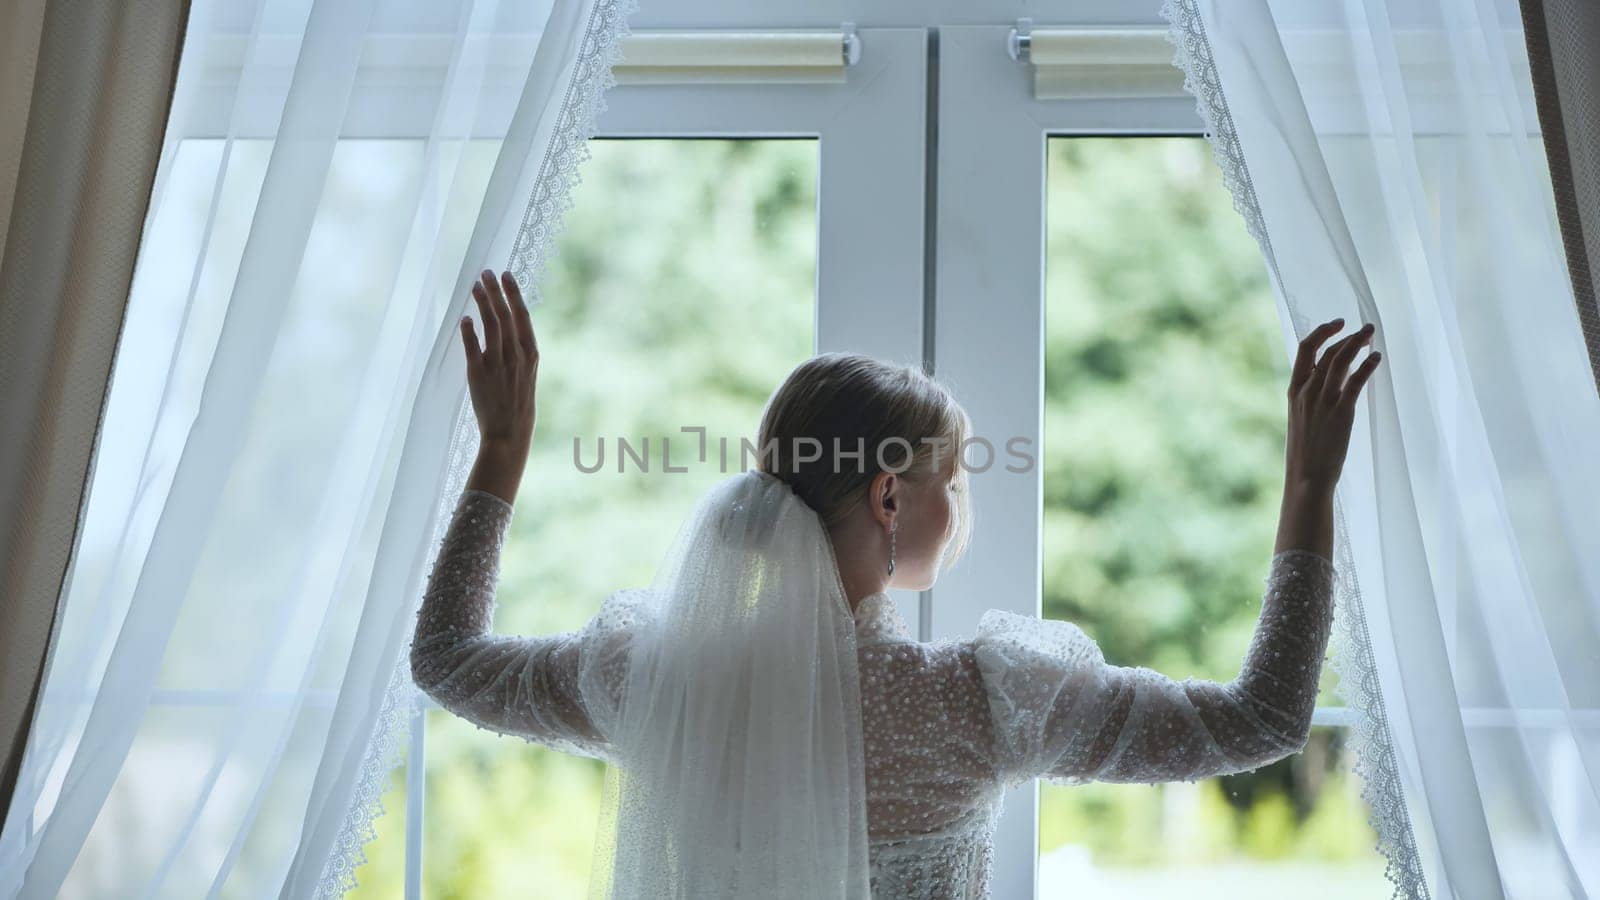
986	252
989	311
977	322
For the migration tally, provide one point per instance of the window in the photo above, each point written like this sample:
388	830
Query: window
1163	468
1097	257
935	205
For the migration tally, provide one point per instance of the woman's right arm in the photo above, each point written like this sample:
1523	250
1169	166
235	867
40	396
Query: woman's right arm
1061	712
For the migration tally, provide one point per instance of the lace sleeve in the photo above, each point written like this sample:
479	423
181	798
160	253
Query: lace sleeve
528	687
1062	713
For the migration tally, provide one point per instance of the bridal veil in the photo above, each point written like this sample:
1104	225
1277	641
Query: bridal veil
729	693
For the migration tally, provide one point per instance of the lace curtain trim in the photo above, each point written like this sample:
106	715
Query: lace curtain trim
1352	658
546	215
532	248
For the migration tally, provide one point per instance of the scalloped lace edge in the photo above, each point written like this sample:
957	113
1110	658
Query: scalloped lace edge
391	728
384	753
531	252
1376	764
560	172
1352	658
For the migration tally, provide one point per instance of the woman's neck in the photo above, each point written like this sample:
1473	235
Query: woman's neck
858	551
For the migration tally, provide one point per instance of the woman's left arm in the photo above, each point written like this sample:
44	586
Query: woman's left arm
520	686
515	685
503	378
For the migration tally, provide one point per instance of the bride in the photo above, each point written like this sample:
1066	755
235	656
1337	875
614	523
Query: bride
773	729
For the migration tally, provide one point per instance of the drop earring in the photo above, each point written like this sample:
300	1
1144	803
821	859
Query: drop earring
892	529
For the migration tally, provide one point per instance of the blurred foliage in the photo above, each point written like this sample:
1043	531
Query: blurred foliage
1164	406
1165	429
683	293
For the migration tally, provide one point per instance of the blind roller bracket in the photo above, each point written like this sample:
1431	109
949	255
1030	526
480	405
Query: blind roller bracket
738	57
1020	41
1118	62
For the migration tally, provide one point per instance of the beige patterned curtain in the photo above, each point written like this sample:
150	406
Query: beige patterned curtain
1564	54
84	94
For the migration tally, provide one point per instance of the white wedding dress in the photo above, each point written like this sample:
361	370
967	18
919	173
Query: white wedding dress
947	725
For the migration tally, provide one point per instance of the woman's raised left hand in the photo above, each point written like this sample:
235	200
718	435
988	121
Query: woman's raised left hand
504	372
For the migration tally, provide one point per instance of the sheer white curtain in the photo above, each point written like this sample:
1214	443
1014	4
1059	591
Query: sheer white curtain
1387	157
287	432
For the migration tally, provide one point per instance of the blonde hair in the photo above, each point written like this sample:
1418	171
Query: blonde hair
890	412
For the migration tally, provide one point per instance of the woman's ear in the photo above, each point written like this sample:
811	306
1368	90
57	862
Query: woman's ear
885	493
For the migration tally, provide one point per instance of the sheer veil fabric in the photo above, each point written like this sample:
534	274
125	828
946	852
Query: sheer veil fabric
730	691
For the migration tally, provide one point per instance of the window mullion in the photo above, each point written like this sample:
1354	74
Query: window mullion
416	783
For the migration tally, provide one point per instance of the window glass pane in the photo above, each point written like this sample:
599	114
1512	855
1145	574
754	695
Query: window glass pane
683	293
1164	447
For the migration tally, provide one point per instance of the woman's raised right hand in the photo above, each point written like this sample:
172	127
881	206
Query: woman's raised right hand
1322	404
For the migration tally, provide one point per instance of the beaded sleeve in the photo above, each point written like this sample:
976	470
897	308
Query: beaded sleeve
522	686
1062	713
